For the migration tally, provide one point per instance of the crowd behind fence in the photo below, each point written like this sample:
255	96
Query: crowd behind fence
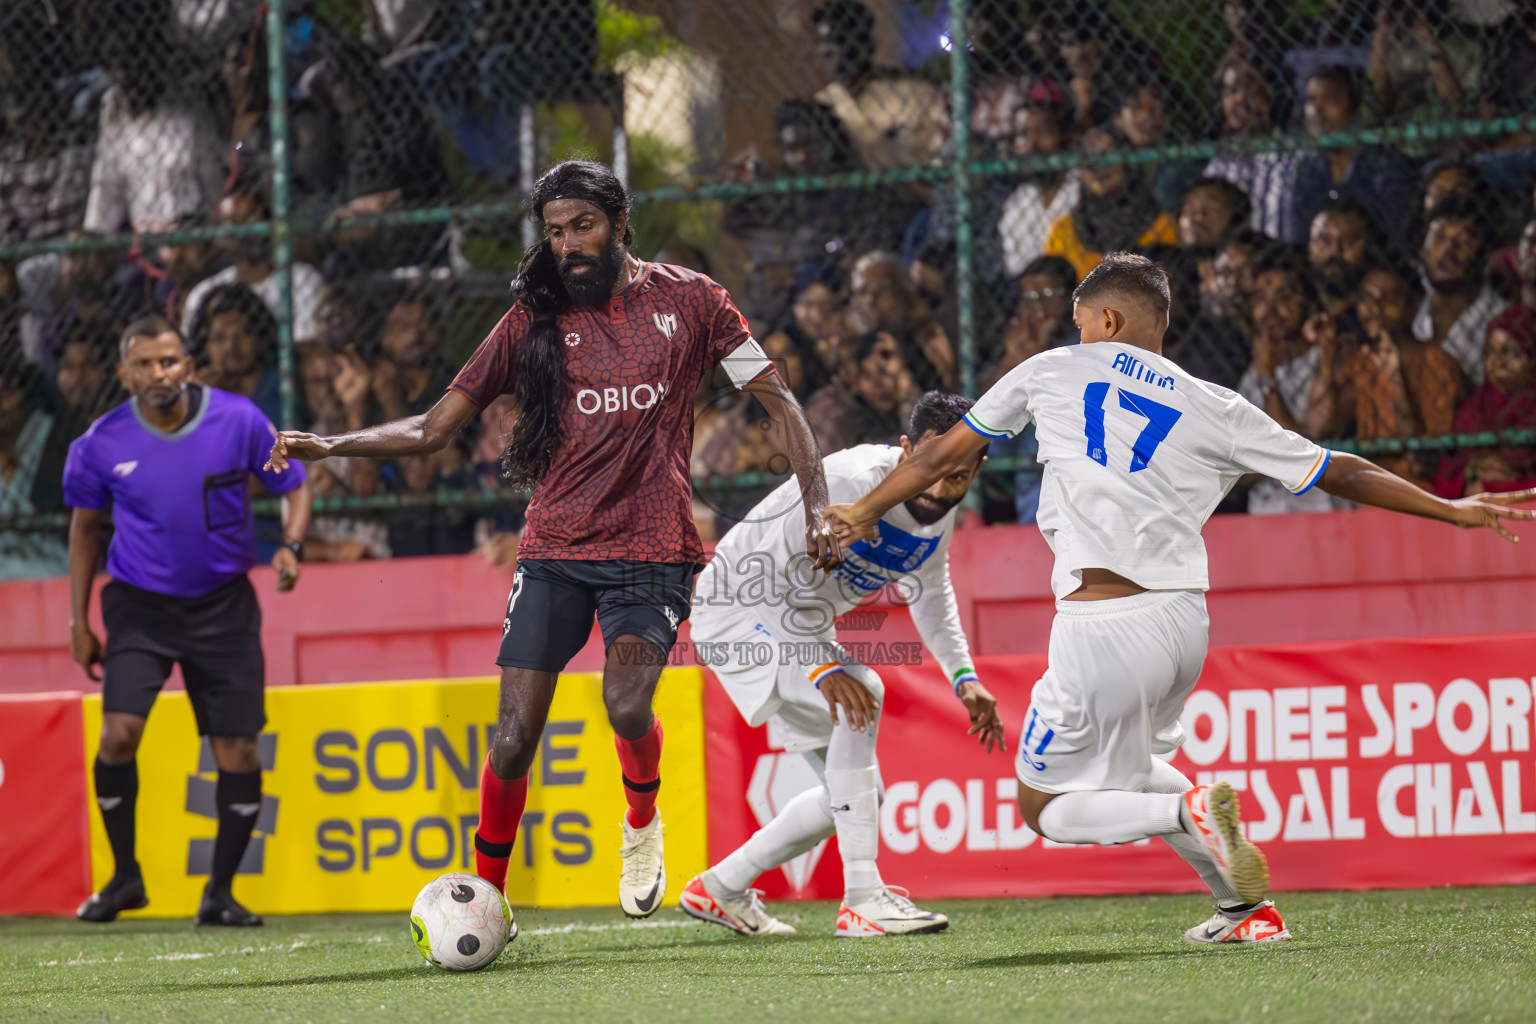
326	197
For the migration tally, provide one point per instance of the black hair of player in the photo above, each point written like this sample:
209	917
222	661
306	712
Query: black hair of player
1126	275
147	327
937	412
539	381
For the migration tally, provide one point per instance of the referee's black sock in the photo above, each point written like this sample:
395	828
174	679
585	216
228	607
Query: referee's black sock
238	795
117	794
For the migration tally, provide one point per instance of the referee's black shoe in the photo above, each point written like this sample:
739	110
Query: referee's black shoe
120	894
219	908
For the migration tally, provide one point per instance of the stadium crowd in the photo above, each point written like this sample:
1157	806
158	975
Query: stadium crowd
1371	291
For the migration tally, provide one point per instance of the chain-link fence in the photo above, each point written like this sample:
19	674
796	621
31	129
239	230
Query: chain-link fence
326	196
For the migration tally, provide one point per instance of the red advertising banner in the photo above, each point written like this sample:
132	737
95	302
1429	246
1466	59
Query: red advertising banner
45	846
1376	764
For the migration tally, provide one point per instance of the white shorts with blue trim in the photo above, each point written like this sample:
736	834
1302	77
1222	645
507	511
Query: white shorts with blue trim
1110	700
779	690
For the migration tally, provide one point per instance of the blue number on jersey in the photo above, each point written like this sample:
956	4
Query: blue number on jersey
1160	419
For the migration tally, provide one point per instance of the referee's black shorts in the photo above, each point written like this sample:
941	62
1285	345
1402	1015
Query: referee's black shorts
553	600
216	639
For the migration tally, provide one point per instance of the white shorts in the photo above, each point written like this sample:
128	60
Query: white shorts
1109	702
776	690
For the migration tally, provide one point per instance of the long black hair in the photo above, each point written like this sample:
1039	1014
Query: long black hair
539	377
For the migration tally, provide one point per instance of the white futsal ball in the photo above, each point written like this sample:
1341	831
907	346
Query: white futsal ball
460	922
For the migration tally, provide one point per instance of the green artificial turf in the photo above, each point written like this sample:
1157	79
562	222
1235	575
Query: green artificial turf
1435	955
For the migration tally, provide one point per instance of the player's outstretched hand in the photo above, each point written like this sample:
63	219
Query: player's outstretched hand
287	565
850	527
1490	510
85	648
986	725
295	444
858	703
821	544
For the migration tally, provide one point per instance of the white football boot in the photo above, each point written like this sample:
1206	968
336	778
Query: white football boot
1211	815
743	912
888	912
1261	923
643	878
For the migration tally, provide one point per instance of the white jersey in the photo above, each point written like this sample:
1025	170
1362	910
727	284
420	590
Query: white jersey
760	570
1137	456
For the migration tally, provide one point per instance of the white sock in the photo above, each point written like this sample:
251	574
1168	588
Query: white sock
805	821
1108	816
1168	779
853	788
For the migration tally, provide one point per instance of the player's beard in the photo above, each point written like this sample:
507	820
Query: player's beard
928	510
592	288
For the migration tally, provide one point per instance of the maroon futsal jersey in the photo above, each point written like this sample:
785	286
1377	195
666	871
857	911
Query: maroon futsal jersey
618	487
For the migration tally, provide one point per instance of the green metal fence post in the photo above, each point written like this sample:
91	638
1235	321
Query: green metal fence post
282	245
960	183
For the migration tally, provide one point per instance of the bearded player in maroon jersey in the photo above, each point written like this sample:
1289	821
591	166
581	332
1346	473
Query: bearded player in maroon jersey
602	353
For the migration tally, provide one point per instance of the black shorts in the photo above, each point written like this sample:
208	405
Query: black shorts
216	639
550	609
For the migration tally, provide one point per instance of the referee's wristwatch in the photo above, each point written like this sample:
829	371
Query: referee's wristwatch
297	547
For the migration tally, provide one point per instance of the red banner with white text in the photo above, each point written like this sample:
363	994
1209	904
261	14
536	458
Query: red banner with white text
1392	763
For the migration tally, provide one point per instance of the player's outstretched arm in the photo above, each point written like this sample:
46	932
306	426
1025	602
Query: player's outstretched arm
926	466
800	445
1351	477
415	435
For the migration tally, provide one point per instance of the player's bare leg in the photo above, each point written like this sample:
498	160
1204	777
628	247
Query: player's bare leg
116	775
523	708
238	798
630	673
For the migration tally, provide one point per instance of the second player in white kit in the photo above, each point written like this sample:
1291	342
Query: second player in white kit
758	592
1137	456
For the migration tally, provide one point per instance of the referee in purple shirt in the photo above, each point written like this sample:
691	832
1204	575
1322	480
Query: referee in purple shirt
175	463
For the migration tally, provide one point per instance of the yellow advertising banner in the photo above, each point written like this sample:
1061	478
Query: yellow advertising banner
372	790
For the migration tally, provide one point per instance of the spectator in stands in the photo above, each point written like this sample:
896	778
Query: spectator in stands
159	158
1102	62
1214	344
884	299
45	151
1377	177
253	268
431	529
1291	343
1117	211
1256	27
1042	316
1343	244
1042	197
1526	265
809	339
1419	71
335	388
81	390
870	402
1456	312
895	120
1338	36
1212	209
1269	178
1400	386
803	236
410	376
234	337
1140	119
24	428
92	293
1506	400
1509	65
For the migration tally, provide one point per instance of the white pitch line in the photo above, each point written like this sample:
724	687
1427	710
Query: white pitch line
561	929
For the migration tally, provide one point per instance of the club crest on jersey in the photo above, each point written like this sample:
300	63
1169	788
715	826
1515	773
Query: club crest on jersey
666	323
572	340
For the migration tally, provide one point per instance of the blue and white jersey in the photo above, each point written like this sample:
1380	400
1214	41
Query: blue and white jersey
1137	456
760	571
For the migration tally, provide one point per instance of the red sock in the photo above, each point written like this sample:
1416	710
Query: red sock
640	761
501	809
